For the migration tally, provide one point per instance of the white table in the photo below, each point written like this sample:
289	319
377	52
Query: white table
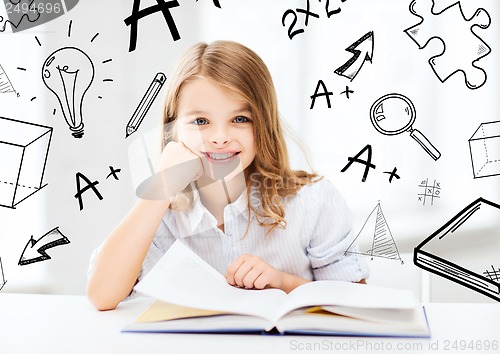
69	325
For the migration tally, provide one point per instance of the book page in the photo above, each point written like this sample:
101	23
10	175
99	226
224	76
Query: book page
341	293
181	277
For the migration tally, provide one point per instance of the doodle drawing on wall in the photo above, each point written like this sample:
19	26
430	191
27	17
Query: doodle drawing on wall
462	47
68	73
394	114
362	51
476	270
429	192
24	149
5	83
2	275
484	148
145	103
377	231
35	251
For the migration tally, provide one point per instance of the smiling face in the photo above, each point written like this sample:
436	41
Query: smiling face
216	124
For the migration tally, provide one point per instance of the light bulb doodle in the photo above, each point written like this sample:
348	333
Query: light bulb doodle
68	73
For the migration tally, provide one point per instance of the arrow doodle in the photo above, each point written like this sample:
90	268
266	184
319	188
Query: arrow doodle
363	51
35	250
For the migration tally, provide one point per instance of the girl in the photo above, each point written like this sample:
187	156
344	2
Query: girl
229	192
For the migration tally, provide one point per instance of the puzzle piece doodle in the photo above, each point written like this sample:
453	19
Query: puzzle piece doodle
462	47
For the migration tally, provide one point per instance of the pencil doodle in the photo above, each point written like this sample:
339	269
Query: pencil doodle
35	251
382	241
307	12
145	104
24	149
484	146
362	51
394	114
26	14
2	275
462	47
429	192
433	254
5	83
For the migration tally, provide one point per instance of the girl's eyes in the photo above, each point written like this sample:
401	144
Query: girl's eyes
200	121
241	119
204	121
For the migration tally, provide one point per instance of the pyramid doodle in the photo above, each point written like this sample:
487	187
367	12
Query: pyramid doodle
462	47
377	230
5	84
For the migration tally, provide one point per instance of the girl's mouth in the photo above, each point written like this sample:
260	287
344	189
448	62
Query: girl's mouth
220	156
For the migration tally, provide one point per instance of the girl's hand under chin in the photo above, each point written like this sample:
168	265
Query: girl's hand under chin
178	166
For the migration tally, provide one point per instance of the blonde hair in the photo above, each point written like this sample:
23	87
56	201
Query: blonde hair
240	70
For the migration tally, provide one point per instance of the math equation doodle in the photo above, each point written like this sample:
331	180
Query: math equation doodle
329	10
462	46
429	192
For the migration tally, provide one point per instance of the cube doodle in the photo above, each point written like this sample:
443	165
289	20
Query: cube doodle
462	47
484	148
23	154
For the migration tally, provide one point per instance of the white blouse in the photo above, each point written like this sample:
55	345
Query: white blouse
312	246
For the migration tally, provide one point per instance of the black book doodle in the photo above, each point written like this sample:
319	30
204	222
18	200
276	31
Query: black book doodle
462	47
35	251
474	271
377	230
484	148
24	149
493	274
2	275
393	114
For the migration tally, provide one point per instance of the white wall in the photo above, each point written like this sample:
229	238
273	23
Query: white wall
447	113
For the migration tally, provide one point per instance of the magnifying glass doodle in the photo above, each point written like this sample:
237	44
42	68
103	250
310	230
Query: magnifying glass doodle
394	114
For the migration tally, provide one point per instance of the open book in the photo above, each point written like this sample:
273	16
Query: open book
194	297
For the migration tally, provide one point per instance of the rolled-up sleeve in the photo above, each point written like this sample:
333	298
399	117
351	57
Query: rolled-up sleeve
332	236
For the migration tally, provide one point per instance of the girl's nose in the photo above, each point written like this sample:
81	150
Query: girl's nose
220	137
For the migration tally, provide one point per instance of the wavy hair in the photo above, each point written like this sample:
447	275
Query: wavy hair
240	70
